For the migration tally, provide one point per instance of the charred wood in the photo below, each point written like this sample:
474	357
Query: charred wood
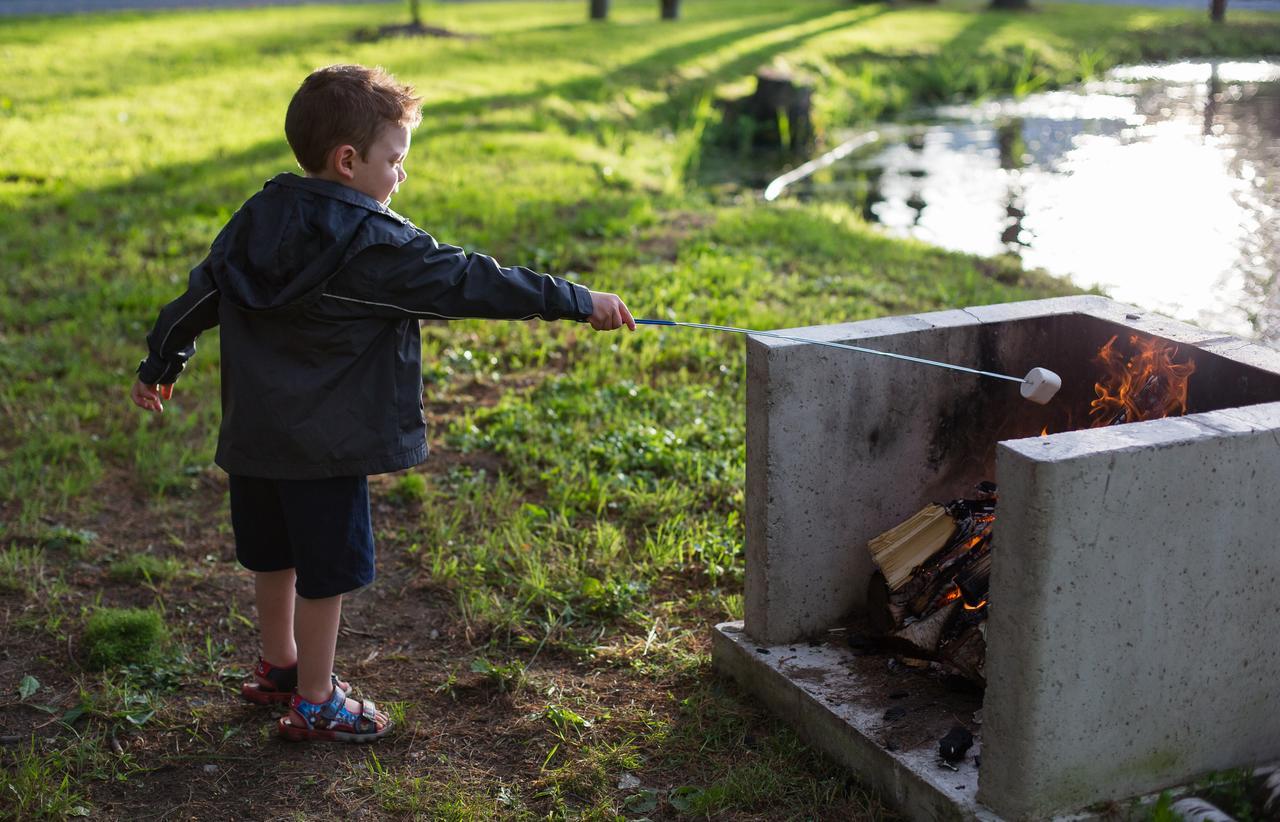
922	637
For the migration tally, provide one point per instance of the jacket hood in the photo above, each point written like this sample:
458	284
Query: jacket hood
288	240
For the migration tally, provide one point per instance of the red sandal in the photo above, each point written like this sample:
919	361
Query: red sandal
331	721
274	685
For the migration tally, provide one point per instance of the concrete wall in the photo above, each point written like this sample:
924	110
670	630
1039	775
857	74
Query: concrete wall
1132	643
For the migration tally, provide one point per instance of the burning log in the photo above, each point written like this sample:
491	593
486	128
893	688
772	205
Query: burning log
929	597
1147	385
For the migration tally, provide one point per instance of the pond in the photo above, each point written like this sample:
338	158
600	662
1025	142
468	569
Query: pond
1160	184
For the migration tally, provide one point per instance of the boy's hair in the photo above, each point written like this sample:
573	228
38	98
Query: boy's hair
346	105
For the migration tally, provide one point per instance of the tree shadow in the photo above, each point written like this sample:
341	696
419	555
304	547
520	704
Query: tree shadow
661	69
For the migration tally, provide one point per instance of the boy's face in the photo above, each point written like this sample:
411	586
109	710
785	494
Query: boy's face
382	173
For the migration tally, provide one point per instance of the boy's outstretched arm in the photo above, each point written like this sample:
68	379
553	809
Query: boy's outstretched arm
427	279
172	340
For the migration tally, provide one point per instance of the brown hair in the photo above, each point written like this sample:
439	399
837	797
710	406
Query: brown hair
346	105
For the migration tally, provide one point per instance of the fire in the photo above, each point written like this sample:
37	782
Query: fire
1148	385
977	607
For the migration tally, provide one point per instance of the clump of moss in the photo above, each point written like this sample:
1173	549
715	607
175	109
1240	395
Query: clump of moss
145	567
123	636
409	489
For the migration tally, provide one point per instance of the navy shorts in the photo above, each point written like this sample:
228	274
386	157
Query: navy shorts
319	527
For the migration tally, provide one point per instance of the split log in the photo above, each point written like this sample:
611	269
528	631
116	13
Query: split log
922	637
975	579
967	653
905	547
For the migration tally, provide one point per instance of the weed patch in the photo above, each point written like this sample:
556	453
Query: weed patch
117	636
145	568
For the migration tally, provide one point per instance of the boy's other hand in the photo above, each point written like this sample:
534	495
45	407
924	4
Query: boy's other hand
608	312
149	396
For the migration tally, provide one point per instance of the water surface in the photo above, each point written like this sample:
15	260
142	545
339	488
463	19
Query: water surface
1158	183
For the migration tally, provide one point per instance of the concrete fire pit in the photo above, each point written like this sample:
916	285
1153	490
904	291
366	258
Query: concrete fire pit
1132	641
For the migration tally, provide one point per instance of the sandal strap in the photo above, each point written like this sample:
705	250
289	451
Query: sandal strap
333	712
281	679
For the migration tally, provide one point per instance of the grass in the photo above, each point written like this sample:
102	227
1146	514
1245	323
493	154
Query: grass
123	636
548	577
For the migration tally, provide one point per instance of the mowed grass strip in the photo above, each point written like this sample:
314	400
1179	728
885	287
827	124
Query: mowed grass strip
548	578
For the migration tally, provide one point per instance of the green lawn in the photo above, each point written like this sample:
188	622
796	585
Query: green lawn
581	523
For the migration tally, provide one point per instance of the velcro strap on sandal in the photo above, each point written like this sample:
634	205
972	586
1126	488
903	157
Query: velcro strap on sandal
367	722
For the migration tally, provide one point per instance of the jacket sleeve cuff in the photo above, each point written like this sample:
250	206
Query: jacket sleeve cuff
155	371
582	301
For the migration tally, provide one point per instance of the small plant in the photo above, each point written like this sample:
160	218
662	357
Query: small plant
145	567
73	541
39	785
409	489
508	678
21	568
611	598
123	636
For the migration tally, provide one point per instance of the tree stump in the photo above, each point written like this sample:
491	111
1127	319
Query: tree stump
777	115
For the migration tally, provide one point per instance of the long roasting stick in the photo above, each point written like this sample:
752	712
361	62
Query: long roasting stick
1039	385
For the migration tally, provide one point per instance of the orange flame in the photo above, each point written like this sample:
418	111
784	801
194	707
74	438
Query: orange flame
977	607
1148	385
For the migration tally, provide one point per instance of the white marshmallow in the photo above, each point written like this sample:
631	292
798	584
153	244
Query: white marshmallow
1040	385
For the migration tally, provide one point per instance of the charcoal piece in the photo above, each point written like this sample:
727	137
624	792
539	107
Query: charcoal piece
955	744
894	714
762	650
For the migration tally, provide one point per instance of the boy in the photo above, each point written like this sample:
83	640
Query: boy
318	287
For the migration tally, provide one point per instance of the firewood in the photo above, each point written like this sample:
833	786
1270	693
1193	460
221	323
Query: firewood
907	546
921	638
975	579
967	653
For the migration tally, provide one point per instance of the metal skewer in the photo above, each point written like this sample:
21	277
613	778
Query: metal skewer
1039	385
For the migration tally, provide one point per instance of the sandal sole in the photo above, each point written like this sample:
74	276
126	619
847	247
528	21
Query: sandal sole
292	733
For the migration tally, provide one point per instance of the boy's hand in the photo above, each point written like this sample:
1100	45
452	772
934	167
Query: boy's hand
608	312
149	396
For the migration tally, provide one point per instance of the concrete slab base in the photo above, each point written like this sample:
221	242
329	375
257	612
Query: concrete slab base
837	702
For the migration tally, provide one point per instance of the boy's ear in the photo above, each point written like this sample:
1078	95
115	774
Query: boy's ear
342	161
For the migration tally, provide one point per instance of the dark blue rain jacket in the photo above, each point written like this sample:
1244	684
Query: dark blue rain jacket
318	290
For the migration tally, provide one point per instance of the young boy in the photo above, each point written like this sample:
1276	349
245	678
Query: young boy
318	287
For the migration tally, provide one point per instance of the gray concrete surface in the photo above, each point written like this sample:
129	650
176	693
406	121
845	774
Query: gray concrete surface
831	698
1134	642
1132	638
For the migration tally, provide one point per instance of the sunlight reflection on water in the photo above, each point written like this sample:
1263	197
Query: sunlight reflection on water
1158	183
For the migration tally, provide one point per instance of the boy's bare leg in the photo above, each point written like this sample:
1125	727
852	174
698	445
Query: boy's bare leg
275	597
315	628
